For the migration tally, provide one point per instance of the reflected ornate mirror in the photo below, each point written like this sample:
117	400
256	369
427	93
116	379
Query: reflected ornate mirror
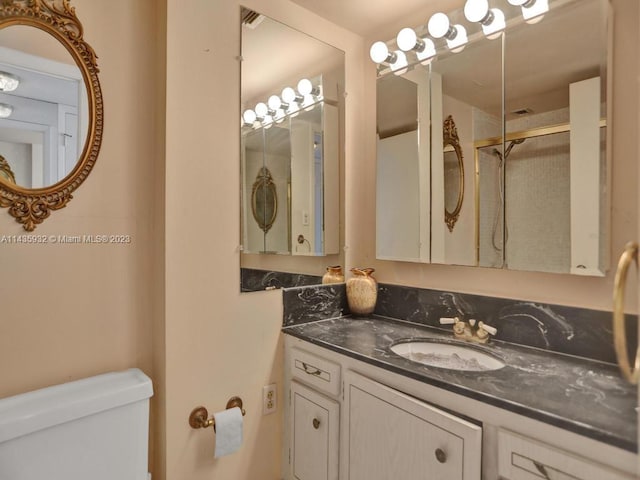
453	173
51	126
264	200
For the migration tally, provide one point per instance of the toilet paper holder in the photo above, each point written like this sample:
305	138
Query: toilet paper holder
199	417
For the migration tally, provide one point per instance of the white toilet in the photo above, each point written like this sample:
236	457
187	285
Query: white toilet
91	429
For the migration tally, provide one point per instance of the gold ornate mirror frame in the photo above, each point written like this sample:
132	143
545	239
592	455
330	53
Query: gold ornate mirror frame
31	207
264	200
450	136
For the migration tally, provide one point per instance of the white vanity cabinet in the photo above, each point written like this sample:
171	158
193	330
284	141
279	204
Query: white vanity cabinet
374	424
392	435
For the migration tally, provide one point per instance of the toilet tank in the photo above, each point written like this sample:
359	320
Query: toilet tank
95	428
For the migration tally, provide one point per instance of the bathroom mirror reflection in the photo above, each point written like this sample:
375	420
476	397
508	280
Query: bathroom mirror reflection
44	120
539	198
292	108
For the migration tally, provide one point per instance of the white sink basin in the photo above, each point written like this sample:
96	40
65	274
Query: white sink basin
446	355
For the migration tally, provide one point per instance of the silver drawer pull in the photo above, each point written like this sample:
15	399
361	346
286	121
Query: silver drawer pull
311	370
316	423
542	470
441	456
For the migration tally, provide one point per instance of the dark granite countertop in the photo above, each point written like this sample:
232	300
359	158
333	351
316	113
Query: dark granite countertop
584	396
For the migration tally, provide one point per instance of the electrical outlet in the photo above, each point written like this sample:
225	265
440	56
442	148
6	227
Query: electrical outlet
269	403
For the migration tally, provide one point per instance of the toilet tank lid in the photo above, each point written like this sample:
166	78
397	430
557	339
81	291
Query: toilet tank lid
28	412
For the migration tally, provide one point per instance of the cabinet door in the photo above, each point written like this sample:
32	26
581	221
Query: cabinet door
313	453
394	436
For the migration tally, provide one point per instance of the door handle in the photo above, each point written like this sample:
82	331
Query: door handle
629	255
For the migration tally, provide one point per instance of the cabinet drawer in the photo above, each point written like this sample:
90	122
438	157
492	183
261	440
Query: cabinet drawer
521	458
315	371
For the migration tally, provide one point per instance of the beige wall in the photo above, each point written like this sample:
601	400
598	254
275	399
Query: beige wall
70	311
220	343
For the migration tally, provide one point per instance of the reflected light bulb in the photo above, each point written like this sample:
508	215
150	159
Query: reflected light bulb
8	82
457	44
427	53
533	12
267	122
5	110
293	109
496	26
407	39
289	95
305	87
261	110
379	52
518	3
438	25
476	10
400	65
274	102
249	116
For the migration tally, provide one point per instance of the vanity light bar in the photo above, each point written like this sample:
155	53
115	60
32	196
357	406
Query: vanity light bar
288	104
439	27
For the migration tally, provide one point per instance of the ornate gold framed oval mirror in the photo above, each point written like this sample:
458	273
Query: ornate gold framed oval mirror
264	200
51	128
453	173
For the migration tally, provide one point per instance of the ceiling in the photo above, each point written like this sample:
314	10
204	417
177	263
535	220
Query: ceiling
365	17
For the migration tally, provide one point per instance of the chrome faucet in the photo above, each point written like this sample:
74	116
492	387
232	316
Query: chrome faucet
471	331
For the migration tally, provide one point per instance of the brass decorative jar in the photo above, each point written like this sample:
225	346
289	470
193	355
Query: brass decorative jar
362	291
334	274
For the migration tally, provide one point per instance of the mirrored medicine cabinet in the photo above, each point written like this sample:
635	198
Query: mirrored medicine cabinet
523	183
291	152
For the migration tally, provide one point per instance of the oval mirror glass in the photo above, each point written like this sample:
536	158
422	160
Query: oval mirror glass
43	108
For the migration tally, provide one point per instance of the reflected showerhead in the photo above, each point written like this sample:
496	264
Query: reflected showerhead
517	141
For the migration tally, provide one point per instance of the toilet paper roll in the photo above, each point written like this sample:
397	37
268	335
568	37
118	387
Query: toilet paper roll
228	431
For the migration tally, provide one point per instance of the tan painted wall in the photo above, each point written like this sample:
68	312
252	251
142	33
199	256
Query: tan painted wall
220	343
70	311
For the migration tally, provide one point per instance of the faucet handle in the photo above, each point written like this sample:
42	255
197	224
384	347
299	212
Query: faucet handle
487	328
448	320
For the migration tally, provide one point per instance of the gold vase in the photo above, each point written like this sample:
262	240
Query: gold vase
334	275
362	291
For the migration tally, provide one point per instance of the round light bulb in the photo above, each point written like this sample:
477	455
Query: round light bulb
406	39
438	25
428	52
476	10
496	26
249	116
289	95
459	41
274	102
261	110
293	109
305	87
5	110
379	52
399	66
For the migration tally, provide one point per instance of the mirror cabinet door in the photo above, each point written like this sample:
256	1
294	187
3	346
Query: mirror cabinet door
532	198
403	213
292	153
555	117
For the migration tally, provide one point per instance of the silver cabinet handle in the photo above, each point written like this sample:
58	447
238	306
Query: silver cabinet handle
311	370
316	423
542	470
631	373
441	456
